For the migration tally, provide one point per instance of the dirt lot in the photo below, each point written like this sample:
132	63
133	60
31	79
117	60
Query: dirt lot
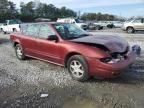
23	82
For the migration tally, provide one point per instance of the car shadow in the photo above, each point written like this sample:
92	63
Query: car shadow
130	78
139	32
4	41
133	75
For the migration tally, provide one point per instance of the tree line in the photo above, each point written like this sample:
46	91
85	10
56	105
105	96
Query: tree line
98	16
32	10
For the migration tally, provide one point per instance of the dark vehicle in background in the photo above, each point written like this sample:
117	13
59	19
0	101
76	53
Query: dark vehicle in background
83	54
92	26
110	25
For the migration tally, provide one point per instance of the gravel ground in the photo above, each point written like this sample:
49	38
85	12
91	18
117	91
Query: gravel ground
23	82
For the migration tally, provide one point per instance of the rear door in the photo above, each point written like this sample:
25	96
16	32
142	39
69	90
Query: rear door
48	50
29	40
138	24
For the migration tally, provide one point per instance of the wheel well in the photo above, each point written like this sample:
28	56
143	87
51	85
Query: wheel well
14	29
129	27
68	56
15	43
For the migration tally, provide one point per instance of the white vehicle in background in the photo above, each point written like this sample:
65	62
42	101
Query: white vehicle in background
107	24
10	26
117	24
76	21
134	25
101	23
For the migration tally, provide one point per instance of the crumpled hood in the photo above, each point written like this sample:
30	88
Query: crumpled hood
113	43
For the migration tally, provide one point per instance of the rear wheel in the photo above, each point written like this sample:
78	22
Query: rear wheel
130	30
78	68
4	32
19	52
14	30
1	30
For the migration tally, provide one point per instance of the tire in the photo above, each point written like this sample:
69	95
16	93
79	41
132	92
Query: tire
19	52
1	30
14	30
78	68
4	32
130	30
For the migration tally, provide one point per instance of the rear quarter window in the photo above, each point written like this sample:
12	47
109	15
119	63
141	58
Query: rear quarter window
138	21
30	29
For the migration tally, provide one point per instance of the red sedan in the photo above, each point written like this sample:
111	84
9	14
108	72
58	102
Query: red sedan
83	54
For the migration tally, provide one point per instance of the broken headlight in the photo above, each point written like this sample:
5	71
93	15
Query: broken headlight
110	60
106	60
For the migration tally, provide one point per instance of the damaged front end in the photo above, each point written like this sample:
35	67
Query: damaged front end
116	57
119	56
116	47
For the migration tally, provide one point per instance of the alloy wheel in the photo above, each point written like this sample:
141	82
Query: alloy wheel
76	68
19	52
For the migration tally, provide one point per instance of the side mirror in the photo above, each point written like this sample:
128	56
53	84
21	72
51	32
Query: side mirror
52	37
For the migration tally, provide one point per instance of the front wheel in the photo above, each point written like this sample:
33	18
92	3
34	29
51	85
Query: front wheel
19	52
130	30
78	68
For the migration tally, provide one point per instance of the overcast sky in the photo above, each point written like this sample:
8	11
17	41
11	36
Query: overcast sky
119	7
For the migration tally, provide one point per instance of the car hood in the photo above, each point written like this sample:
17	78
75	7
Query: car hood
113	43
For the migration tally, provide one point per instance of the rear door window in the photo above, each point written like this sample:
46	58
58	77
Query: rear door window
31	29
143	20
45	31
138	21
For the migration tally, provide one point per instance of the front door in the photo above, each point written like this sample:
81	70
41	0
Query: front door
48	50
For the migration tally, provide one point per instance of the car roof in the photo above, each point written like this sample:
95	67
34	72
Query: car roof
45	23
50	23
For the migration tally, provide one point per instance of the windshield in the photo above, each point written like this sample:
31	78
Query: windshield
70	31
14	21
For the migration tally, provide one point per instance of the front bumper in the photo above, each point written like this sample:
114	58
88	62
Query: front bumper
123	28
105	70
